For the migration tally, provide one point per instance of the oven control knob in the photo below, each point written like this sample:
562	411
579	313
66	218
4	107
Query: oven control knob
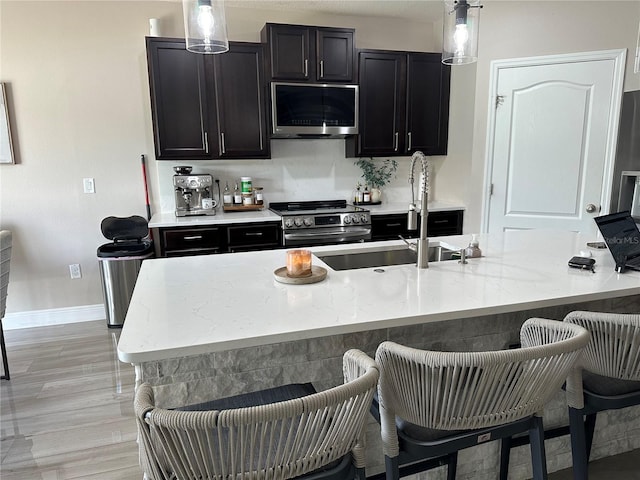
298	222
347	220
363	218
355	219
288	223
308	221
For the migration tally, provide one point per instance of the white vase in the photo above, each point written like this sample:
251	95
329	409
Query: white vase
376	195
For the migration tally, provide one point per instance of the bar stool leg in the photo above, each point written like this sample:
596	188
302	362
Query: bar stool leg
505	453
538	457
578	445
5	362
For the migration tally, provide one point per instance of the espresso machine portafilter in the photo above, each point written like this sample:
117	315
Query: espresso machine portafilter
193	193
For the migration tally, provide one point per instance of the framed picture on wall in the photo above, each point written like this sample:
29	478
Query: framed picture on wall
6	146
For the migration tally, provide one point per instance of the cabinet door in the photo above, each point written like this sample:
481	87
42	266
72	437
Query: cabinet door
444	223
334	54
242	238
427	104
178	101
382	105
240	102
388	227
179	242
289	52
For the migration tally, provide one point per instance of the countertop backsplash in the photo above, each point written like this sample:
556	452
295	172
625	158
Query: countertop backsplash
314	169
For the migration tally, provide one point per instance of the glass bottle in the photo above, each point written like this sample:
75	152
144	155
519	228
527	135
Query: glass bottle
237	196
227	198
367	194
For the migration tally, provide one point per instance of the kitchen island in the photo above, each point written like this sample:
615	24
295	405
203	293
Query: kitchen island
210	326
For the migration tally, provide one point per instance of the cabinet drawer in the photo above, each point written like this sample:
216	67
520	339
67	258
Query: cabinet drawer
388	227
192	241
444	223
242	236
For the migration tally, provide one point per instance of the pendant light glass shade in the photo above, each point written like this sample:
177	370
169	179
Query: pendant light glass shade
205	28
460	32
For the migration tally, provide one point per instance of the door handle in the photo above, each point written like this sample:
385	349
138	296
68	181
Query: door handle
591	208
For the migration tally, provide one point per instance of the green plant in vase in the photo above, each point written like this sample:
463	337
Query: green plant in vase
377	175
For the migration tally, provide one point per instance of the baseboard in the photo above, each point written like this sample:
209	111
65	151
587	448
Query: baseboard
53	316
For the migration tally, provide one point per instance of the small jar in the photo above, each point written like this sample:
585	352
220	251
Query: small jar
247	199
258	193
245	185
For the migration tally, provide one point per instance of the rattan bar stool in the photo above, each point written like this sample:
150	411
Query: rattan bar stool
5	260
314	436
607	378
433	404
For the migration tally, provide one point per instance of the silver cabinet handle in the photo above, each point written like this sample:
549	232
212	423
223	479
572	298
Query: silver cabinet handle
321	68
395	146
254	234
306	67
409	141
206	142
193	237
223	148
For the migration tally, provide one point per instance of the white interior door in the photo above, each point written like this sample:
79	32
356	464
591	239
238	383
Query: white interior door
552	141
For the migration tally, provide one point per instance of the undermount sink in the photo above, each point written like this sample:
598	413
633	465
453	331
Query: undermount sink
382	256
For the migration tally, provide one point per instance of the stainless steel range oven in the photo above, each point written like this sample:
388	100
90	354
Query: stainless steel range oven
310	223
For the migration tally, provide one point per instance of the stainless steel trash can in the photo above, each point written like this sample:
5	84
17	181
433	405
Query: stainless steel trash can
120	263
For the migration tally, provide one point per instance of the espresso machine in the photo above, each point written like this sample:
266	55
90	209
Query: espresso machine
194	193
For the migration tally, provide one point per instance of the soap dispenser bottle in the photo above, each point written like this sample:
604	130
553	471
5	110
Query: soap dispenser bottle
473	250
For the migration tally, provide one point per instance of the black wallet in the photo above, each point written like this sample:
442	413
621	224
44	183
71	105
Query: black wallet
585	263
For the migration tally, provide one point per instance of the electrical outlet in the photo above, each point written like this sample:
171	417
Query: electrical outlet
75	271
89	185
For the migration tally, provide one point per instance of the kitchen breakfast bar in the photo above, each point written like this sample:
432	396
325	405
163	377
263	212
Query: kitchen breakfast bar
206	327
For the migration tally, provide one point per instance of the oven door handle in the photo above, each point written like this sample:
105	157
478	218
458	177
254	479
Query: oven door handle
351	232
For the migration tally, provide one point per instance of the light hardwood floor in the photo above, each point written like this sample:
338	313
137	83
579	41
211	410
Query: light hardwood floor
67	412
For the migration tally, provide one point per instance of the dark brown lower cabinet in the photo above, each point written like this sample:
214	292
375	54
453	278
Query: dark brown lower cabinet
180	242
263	236
184	241
439	224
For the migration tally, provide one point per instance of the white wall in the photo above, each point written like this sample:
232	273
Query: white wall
79	91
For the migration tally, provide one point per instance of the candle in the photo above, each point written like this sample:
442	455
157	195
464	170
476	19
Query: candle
298	263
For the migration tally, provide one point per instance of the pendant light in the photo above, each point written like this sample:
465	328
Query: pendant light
460	32
205	28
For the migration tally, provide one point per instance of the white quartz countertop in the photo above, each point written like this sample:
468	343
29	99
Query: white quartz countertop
191	305
168	219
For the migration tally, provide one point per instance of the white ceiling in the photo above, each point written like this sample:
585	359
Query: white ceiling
430	10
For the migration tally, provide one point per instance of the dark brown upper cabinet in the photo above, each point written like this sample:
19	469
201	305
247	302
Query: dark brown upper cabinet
404	104
241	102
207	106
314	54
179	100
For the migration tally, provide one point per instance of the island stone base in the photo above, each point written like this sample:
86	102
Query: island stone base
194	379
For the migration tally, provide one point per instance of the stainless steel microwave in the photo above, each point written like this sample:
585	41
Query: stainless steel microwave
313	110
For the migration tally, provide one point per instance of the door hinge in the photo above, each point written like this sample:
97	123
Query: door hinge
499	100
491	190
